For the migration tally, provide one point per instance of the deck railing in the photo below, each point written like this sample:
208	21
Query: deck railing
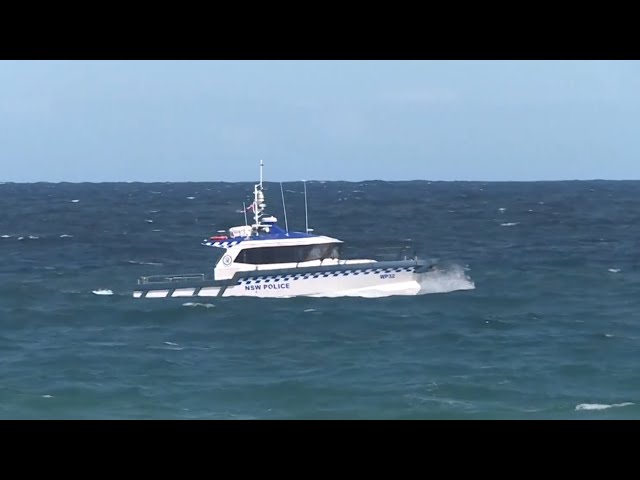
171	278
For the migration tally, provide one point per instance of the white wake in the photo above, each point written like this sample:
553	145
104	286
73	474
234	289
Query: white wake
444	280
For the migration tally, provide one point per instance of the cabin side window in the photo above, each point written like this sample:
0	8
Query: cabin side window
289	254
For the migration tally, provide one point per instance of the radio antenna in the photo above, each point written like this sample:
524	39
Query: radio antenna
284	208
306	214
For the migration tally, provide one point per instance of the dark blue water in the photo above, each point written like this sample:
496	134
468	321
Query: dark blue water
551	330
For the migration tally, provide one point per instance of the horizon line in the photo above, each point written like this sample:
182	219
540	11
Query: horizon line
320	181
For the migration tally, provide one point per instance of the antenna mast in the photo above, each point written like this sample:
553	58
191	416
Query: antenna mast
284	208
258	200
306	214
244	209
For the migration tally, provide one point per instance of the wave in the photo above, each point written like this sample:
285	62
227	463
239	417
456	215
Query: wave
444	280
135	262
194	304
600	406
102	291
509	224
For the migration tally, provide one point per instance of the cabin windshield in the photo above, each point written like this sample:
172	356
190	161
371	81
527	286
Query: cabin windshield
289	254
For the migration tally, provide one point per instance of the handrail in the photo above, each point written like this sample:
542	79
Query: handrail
171	278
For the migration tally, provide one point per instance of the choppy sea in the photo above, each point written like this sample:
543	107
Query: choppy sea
536	314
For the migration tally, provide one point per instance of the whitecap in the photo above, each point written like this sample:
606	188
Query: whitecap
5	236
102	291
614	270
156	230
452	279
171	343
148	220
191	198
310	310
135	262
33	237
75	201
600	406
47	396
502	209
509	224
20	238
64	235
192	304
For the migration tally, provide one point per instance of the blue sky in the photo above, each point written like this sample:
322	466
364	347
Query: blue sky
325	120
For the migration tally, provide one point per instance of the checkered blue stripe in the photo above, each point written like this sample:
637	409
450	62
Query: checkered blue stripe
224	244
305	276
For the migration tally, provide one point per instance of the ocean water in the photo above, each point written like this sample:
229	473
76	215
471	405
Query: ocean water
535	315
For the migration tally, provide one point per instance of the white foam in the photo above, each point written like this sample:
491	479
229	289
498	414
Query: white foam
614	270
20	238
192	304
75	201
33	237
600	406
190	198
5	236
64	235
447	280
510	224
148	220
502	209
135	262
47	396
156	230
309	310
171	343
102	291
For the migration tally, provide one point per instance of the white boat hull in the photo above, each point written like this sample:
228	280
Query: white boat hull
404	283
365	282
